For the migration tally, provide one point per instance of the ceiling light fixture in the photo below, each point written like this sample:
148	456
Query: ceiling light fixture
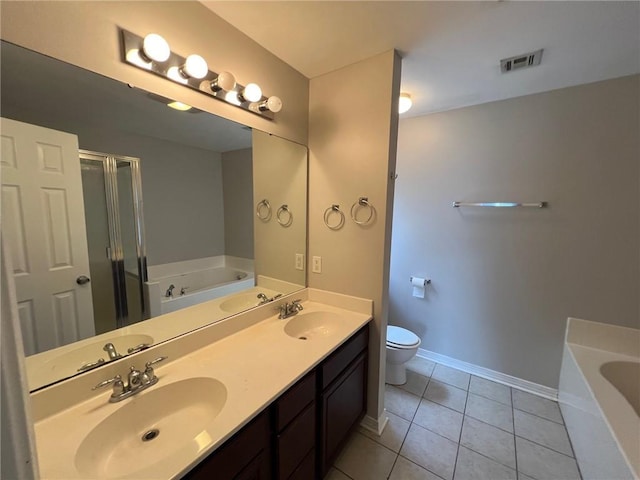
182	107
152	53
405	103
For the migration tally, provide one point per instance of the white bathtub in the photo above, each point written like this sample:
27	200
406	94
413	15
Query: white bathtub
599	396
198	286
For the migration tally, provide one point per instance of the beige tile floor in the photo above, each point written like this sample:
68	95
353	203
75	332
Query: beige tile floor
447	424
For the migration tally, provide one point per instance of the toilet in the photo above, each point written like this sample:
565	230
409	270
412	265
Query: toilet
402	345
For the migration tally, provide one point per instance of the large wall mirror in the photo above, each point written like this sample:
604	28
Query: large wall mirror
119	212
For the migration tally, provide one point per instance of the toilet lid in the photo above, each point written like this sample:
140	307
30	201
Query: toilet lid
400	337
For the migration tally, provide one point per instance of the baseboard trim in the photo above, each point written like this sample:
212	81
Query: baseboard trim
373	425
510	381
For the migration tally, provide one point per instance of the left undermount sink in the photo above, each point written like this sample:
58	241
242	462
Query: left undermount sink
306	326
149	427
71	362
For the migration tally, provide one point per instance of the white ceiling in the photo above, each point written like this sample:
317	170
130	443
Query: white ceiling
451	50
73	96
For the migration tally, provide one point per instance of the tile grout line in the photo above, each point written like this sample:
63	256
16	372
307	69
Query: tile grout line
515	446
464	413
570	442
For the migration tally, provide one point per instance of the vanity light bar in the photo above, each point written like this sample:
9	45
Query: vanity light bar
152	53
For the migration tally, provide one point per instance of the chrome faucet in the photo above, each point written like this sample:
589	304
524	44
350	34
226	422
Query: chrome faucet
136	381
111	351
169	292
290	309
264	299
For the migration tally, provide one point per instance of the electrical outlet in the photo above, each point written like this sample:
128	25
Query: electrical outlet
299	261
316	266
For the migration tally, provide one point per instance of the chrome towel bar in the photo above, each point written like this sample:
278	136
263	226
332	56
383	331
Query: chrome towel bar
500	204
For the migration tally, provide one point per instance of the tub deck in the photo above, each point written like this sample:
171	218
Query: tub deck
604	427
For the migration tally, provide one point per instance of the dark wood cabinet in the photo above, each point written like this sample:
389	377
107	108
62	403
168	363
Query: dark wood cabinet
295	422
343	400
246	456
299	435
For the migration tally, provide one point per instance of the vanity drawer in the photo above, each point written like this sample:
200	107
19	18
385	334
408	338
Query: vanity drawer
295	442
294	401
338	361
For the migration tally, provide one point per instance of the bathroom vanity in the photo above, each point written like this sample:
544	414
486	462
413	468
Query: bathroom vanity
300	434
251	397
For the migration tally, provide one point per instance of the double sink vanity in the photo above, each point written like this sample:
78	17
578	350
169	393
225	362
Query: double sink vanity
253	396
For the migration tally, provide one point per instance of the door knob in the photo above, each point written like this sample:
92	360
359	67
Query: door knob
82	280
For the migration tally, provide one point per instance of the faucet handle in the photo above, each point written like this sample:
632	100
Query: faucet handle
138	348
154	361
118	386
148	367
149	376
90	365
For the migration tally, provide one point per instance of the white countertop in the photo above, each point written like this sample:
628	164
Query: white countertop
256	365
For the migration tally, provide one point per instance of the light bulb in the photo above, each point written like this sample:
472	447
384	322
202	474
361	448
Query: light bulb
175	74
225	81
138	58
252	93
156	48
232	97
405	103
195	66
273	104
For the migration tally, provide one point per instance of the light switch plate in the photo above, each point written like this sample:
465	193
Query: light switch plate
316	265
299	261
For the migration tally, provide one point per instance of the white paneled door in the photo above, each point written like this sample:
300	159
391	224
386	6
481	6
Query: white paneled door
43	225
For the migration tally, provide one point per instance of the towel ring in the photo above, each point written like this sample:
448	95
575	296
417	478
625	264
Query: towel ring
263	210
281	213
363	202
327	214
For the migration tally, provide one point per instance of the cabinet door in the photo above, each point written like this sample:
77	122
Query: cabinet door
258	469
295	442
343	405
246	456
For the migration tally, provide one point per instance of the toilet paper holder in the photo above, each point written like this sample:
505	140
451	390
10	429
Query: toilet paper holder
427	281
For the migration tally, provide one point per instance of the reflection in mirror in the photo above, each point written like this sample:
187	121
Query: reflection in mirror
96	277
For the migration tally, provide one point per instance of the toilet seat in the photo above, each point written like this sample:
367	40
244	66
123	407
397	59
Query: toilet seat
401	338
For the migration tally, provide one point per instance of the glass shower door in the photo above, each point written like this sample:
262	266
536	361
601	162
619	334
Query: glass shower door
113	196
98	240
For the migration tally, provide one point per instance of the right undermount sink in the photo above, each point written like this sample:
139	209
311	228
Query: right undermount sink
310	325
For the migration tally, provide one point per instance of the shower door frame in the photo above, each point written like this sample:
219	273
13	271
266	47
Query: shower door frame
116	251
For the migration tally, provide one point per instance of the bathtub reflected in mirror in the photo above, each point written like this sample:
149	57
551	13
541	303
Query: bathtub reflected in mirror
201	179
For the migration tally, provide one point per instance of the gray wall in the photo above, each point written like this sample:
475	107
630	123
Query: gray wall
181	187
181	194
505	280
237	186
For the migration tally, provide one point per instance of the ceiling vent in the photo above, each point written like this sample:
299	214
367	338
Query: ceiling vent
521	61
